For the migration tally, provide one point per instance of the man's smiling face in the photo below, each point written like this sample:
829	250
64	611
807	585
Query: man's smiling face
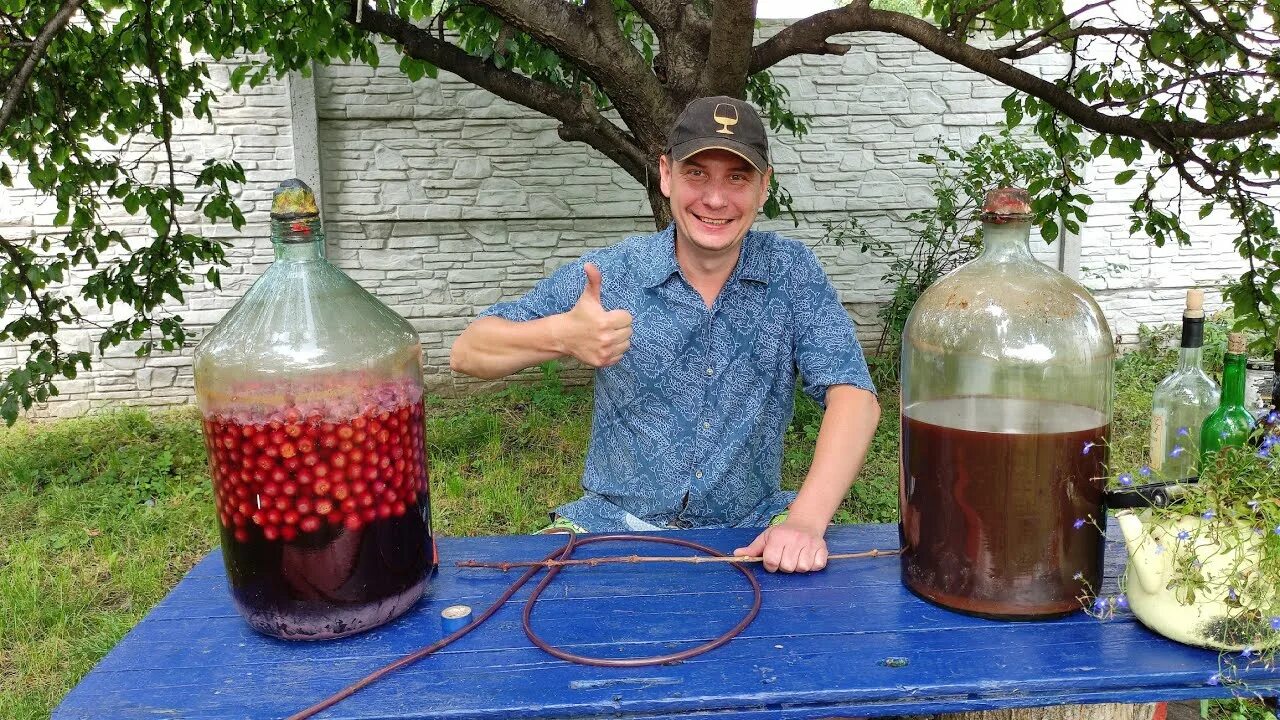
715	196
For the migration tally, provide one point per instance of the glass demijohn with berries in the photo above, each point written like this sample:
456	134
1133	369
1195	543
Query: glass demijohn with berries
1006	412
311	395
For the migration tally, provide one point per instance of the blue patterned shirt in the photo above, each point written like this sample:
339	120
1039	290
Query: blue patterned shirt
687	428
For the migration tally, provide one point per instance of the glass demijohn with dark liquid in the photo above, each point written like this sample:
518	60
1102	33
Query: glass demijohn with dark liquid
1006	414
311	395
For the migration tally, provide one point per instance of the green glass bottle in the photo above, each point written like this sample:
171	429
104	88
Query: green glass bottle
1232	423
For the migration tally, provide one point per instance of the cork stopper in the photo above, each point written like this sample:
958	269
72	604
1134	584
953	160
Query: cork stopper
1007	204
293	200
1195	304
1235	343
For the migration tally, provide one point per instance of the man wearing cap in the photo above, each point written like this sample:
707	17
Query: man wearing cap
697	333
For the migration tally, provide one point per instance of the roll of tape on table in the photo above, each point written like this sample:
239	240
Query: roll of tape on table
454	618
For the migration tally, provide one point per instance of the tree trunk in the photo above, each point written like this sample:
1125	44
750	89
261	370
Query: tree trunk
659	205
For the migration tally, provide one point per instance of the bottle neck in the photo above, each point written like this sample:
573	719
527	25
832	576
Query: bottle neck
298	240
1006	240
1192	352
1233	378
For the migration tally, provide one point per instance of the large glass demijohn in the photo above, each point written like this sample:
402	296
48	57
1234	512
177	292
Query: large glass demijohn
1007	371
311	395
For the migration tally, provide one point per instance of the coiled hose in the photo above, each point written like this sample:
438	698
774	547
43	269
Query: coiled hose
562	553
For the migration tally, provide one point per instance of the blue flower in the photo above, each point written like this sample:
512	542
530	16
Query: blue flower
1087	447
1176	451
1231	594
1122	601
1099	604
1268	441
1078	576
1182	432
1278	529
1264	453
1159	549
1247	652
1214	679
1126	479
1223	434
1145	471
1253	504
1079	523
1208	515
1275	623
1183	535
1273	417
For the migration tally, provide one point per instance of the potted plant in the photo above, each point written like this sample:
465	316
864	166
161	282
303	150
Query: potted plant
1204	568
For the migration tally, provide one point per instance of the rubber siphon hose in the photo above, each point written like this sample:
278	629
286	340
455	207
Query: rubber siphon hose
561	553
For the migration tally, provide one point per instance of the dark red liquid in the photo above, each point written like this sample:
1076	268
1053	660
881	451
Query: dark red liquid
325	521
332	582
989	515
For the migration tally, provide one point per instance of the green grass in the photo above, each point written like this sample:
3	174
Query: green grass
102	515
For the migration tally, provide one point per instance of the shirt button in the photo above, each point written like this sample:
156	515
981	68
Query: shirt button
711	371
706	425
697	474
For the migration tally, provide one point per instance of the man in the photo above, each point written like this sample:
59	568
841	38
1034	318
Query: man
697	333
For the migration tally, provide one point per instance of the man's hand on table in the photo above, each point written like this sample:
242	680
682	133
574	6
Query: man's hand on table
789	546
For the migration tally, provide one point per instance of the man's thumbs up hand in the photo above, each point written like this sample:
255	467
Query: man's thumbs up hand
596	336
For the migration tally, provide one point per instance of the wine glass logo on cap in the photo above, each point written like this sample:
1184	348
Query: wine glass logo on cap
726	115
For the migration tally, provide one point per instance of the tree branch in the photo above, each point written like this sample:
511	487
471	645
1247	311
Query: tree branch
803	37
1019	50
732	29
800	36
581	122
661	15
598	48
34	54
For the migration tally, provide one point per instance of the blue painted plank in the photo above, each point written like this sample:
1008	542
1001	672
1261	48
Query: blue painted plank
816	650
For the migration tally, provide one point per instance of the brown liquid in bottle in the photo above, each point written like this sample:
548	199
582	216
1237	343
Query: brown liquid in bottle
988	514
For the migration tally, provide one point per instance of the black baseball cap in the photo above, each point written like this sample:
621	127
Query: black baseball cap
722	123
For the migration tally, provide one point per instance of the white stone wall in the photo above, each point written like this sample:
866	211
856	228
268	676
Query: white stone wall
442	199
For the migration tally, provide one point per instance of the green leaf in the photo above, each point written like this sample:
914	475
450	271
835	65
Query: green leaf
1125	176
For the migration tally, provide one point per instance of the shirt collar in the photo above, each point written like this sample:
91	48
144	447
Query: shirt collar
661	261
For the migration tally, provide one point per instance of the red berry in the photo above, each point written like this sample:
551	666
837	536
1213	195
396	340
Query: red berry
270	532
309	524
288	532
352	522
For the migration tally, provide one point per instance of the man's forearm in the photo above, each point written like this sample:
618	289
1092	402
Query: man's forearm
844	438
493	347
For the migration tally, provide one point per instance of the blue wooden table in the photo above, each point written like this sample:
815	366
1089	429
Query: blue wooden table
848	641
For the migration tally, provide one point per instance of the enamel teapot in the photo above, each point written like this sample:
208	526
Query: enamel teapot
1179	580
